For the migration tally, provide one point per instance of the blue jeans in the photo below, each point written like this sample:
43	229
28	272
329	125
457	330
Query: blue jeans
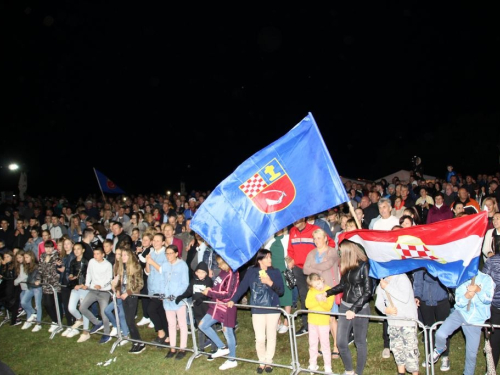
109	311
26	297
206	326
472	339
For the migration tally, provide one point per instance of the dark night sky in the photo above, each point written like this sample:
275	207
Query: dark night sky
151	94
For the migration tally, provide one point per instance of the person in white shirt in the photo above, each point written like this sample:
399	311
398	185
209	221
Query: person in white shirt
386	221
98	280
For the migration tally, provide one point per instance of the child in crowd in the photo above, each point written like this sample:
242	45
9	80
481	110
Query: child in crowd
472	306
395	298
197	285
319	324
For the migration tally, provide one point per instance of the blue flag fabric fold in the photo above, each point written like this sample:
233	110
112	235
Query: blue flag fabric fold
106	185
290	179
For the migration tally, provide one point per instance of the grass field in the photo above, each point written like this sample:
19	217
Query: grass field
33	353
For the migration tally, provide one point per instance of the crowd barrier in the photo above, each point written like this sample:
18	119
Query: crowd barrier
294	366
433	328
297	365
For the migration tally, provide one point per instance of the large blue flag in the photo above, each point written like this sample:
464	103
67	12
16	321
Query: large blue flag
106	185
292	178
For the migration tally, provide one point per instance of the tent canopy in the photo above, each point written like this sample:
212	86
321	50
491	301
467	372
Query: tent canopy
404	176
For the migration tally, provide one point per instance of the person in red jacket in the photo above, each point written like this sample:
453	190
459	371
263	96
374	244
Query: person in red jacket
300	243
439	211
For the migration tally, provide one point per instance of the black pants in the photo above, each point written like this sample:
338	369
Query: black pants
64	301
495	336
157	315
145	300
50	305
129	308
433	314
301	280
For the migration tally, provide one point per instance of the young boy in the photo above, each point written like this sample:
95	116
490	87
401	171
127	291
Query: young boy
200	282
108	251
472	306
395	298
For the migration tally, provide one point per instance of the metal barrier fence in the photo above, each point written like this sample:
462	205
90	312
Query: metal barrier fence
294	365
433	328
297	366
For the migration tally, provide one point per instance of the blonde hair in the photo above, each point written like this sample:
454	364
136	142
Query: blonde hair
351	255
312	278
132	264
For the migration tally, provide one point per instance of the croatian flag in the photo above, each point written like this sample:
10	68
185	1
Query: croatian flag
449	249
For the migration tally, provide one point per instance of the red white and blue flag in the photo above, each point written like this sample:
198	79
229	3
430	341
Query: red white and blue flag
106	185
449	249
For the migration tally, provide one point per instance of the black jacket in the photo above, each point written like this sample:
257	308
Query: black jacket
356	286
78	268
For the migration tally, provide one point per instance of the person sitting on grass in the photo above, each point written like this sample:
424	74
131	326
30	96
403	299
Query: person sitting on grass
395	299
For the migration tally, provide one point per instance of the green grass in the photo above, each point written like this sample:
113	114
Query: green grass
33	353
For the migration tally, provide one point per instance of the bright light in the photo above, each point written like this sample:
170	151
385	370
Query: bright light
13	167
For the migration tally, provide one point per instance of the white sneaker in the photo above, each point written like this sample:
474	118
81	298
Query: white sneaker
73	333
124	342
228	364
283	329
77	324
84	337
37	328
143	321
220	352
328	370
26	325
53	327
386	353
113	332
66	331
445	364
32	318
151	325
313	368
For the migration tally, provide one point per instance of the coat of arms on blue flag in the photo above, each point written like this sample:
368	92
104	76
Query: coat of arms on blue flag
291	178
270	189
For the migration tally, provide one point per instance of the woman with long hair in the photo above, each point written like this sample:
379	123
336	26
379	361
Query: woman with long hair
490	204
75	229
67	256
129	281
8	275
356	285
31	270
223	289
266	282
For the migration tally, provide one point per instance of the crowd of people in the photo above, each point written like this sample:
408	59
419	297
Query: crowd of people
88	250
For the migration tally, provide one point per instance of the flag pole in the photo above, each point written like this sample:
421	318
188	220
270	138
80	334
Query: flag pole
100	187
353	214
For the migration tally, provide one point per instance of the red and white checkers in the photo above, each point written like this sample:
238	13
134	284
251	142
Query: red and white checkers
414	252
253	186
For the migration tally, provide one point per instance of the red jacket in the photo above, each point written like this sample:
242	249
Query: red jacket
437	214
300	243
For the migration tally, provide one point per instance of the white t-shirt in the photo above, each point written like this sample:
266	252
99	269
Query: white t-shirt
386	224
